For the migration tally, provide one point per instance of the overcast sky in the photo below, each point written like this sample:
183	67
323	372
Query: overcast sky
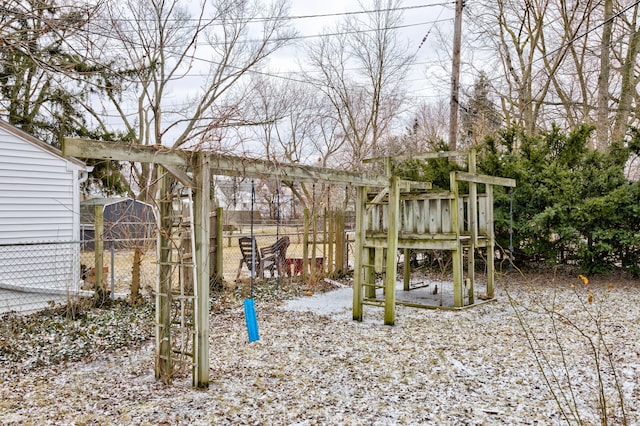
424	18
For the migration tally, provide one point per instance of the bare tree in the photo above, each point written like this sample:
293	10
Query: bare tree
628	77
602	128
285	112
432	122
294	124
550	53
362	74
176	68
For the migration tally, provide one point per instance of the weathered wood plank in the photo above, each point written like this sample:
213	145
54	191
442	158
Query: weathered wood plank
385	217
423	156
482	214
486	179
221	164
434	216
431	195
446	217
202	233
86	148
392	248
358	254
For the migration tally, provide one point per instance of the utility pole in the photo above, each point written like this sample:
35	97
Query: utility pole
455	77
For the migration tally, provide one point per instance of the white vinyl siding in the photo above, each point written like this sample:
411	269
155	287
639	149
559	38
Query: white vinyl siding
36	193
39	217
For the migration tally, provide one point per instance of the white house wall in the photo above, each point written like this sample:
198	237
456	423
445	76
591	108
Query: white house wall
36	190
39	216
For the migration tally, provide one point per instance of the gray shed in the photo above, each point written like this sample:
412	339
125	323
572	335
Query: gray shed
127	222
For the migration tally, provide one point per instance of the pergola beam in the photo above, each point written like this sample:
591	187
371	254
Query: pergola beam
220	164
119	151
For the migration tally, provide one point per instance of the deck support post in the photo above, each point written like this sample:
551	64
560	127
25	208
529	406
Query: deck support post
491	245
358	254
392	248
473	229
457	253
406	270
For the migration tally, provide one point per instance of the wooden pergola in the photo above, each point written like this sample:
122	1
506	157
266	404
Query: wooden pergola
194	169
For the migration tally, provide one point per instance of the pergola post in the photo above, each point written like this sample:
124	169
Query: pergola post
202	231
164	364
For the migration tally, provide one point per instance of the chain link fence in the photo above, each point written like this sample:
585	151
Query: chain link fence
36	274
129	265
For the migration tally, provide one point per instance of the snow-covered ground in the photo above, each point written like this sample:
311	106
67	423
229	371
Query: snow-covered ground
314	365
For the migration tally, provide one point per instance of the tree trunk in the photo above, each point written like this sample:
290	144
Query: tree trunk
602	124
627	88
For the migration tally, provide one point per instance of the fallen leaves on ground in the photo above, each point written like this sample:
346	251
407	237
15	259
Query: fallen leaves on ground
475	366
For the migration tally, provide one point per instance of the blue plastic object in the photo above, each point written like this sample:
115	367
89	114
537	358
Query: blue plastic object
252	322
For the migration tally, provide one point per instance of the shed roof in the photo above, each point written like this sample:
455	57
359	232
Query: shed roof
87	206
106	201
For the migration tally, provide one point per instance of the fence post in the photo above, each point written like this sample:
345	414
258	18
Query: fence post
325	234
99	251
330	240
113	278
305	244
339	235
219	246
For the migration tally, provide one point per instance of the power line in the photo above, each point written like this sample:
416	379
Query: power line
300	17
301	37
424	39
395	9
275	40
396	27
